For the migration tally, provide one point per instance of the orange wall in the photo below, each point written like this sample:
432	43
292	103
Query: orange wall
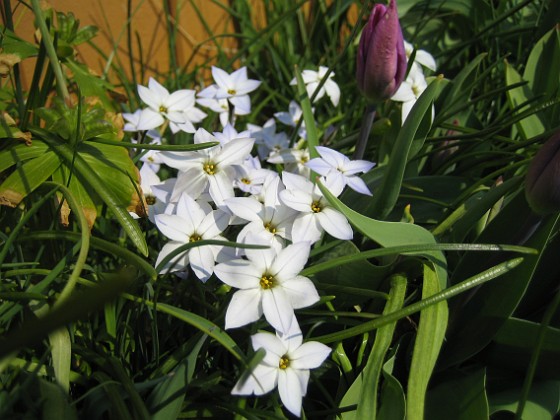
148	24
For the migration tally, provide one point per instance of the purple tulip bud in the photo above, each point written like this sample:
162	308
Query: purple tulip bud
542	185
381	65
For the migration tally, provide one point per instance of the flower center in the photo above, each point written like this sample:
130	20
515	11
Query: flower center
195	237
210	168
231	91
316	206
246	181
150	200
270	227
304	159
284	362
267	281
162	109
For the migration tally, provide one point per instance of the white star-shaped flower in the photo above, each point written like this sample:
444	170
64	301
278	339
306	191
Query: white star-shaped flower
269	284
410	90
286	365
312	78
177	107
421	57
315	212
271	220
292	118
339	170
235	87
191	224
211	167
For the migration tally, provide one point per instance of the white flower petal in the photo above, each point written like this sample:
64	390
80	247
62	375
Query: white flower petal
301	292
239	273
277	309
335	223
201	259
245	307
177	263
261	380
309	355
290	261
221	187
174	227
289	388
306	227
358	185
333	91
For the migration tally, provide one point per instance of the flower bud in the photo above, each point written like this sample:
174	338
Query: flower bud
542	185
381	64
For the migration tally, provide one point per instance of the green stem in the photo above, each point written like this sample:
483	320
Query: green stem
365	129
535	355
367	404
51	52
85	238
446	294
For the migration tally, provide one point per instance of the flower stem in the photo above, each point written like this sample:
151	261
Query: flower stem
365	129
51	52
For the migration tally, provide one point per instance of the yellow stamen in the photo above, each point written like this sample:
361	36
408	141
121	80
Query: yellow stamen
267	281
195	238
209	168
284	362
316	207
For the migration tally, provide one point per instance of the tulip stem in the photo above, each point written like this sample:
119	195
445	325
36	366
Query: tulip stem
365	129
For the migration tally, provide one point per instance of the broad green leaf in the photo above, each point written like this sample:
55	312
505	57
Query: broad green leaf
368	380
18	152
360	274
543	402
61	351
55	402
409	139
167	397
102	180
427	345
392	402
389	234
532	125
27	177
461	397
513	346
480	315
12	44
542	71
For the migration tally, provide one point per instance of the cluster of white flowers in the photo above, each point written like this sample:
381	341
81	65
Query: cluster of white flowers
225	186
415	83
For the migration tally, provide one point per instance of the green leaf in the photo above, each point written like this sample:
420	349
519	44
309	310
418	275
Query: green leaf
61	351
389	234
543	402
429	339
542	71
478	317
16	152
104	178
462	397
392	402
513	346
55	403
12	44
409	140
368	380
203	325
170	394
532	125
27	177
